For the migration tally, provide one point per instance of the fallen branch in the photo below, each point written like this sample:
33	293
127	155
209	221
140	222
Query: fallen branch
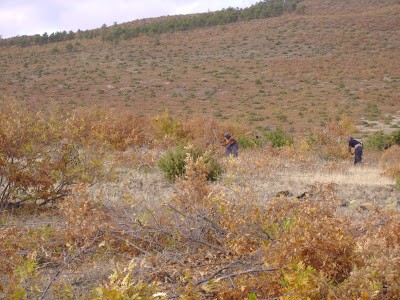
131	244
246	272
216	273
207	244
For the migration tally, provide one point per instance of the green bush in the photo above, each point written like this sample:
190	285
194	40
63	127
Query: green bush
69	47
173	162
248	141
378	140
278	138
398	182
395	138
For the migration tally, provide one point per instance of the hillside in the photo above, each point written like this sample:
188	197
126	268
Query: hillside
299	70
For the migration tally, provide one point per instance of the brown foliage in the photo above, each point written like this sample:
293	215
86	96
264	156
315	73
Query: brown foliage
101	128
34	167
333	138
390	161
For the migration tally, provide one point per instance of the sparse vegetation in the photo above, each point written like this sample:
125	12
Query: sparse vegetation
114	185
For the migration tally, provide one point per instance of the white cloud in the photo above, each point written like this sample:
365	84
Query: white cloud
20	17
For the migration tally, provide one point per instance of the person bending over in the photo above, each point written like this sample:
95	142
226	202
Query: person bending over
358	150
231	145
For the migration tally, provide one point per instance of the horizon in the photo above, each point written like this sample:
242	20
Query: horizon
22	18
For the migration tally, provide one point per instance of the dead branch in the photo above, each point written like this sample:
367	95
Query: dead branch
131	244
246	272
207	244
216	273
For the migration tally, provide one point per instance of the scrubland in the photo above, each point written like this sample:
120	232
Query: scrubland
114	185
88	213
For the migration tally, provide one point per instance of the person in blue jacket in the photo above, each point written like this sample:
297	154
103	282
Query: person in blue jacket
358	150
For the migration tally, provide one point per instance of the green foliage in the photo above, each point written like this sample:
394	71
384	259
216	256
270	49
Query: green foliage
395	138
248	141
37	39
260	10
167	125
398	182
380	140
69	47
252	296
173	162
278	138
122	286
299	282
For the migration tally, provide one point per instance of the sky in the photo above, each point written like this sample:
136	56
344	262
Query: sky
27	17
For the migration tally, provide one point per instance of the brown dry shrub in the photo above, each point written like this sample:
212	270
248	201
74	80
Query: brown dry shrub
390	161
190	218
203	131
376	274
102	128
331	141
314	235
208	132
34	165
317	240
168	131
192	190
304	239
85	219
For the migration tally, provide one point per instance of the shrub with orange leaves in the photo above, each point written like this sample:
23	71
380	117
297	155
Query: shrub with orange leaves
331	141
106	129
390	161
34	165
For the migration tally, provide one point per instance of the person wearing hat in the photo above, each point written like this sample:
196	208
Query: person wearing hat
358	150
231	144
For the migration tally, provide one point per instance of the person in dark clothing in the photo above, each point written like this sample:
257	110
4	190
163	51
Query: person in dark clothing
231	144
358	150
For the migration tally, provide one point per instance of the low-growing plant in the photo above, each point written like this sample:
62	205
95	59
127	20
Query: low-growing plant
246	141
278	138
173	162
169	129
101	129
121	285
379	140
395	138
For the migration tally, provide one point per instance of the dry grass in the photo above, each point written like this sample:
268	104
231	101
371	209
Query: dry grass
354	176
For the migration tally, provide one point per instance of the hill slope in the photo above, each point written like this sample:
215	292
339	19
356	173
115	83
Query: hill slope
297	70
